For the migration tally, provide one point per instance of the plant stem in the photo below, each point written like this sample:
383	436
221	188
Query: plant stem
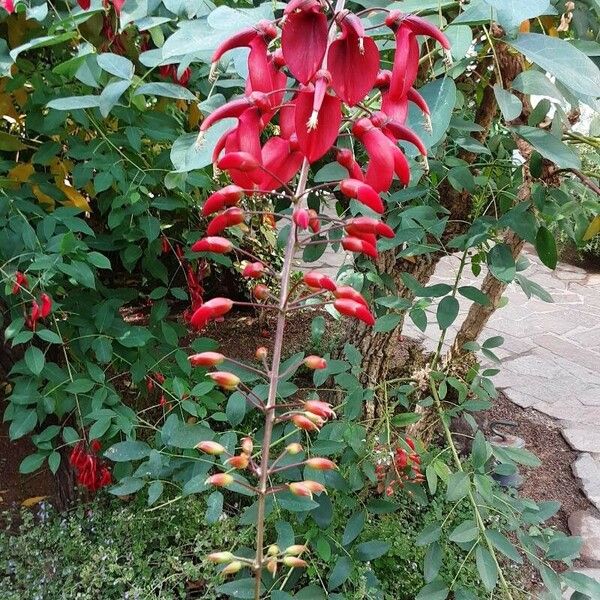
272	395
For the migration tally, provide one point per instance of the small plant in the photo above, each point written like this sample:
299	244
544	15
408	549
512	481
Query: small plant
334	74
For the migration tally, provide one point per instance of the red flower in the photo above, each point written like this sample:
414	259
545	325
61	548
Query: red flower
363	192
228	196
345	158
318	281
253	270
353	60
304	38
232	216
89	470
34	315
46	305
369	225
351	294
20	282
355	244
212	309
351	308
216	244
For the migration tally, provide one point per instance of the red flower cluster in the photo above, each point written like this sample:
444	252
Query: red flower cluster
20	282
400	468
170	72
90	471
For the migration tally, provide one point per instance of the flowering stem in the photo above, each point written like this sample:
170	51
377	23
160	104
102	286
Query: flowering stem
272	395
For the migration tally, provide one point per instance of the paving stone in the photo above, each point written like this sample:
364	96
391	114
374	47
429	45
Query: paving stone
568	350
583	439
573	412
587	469
520	398
586	523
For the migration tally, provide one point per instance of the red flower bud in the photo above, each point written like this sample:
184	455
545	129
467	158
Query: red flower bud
351	308
261	292
247	445
228	196
232	568
232	216
369	225
208	447
314	223
363	192
253	270
315	362
294	448
220	480
314	486
220	557
345	291
303	422
354	244
20	282
212	309
95	446
295	550
239	462
299	489
272	567
301	218
321	464
206	359
216	244
225	380
319	408
294	562
261	353
318	281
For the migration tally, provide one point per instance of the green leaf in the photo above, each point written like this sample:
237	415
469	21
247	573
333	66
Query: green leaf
353	527
214	507
240	588
430	533
474	294
447	311
126	451
582	583
41	42
31	463
501	543
127	485
74	103
560	59
35	360
236	408
549	147
387	323
330	172
457	486
501	263
433	562
486	566
545	244
167	90
340	573
111	94
155	490
564	548
115	64
135	337
49	336
467	531
54	462
509	104
510	13
436	590
99	428
317	329
372	550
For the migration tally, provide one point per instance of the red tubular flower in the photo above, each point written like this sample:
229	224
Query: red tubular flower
354	244
369	238
263	29
232	216
212	309
304	38
318	131
351	308
216	244
319	408
353	60
45	306
318	281
301	218
253	270
9	5
20	282
281	161
315	362
34	315
225	380
345	158
369	225
363	192
228	196
240	161
350	293
397	131
206	359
